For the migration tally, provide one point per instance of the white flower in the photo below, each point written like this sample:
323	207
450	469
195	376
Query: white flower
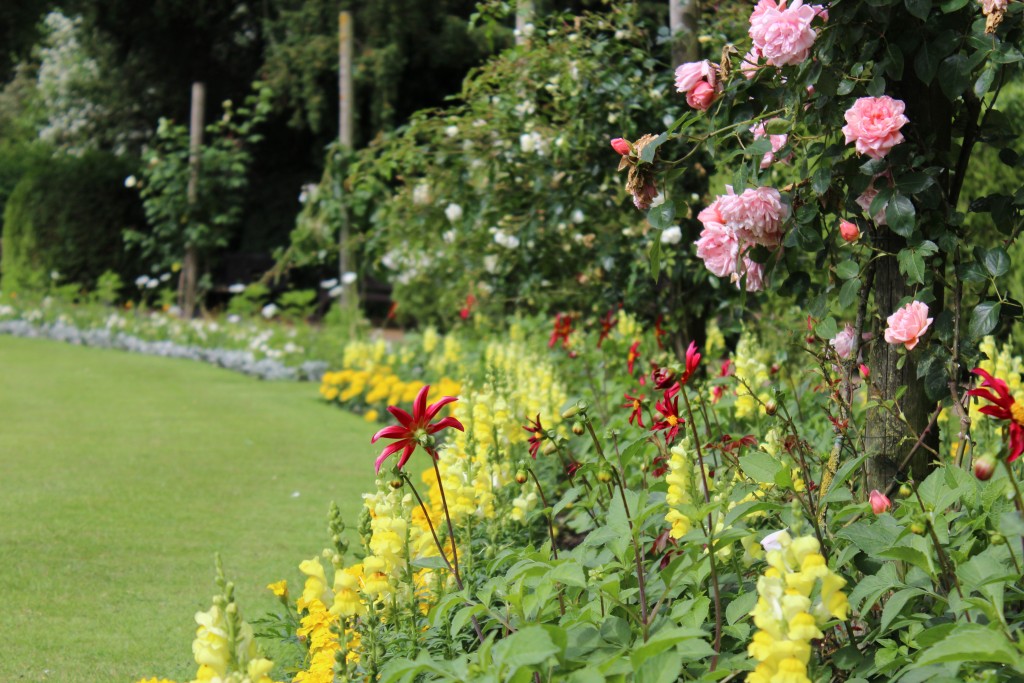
236	288
672	235
448	236
453	212
608	263
773	541
141	280
165	277
577	216
421	194
451	131
269	311
527	142
348	278
335	292
659	199
54	275
506	240
131	181
328	284
152	283
491	264
234	318
667	120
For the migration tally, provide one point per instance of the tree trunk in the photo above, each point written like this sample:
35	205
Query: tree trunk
886	437
190	264
187	282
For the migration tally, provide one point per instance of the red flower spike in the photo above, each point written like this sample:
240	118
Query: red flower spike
412	430
692	361
535	428
668	406
631	357
637	404
1004	407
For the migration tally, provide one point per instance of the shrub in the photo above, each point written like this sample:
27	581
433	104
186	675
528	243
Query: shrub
65	217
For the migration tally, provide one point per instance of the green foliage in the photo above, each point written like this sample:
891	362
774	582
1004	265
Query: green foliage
297	304
109	287
63	222
175	222
249	301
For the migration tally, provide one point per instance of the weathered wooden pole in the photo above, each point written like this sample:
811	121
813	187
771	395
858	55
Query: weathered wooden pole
190	264
524	21
682	23
346	122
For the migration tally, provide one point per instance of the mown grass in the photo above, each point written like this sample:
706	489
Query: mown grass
120	478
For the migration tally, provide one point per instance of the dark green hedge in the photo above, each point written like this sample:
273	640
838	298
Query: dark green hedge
67	214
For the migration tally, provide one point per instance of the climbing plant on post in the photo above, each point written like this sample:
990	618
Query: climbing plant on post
849	131
193	193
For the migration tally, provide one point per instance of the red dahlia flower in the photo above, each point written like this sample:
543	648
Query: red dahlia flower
414	429
634	353
563	328
637	404
670	421
1003	407
692	361
608	322
537	430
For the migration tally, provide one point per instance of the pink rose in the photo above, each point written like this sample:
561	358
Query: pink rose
718	248
879	501
873	125
749	66
755	275
690	74
701	96
783	35
865	371
778	142
843	342
907	325
621	146
849	231
756	215
865	200
710	215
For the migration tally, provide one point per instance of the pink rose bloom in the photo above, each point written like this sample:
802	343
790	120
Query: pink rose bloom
711	216
690	74
879	502
864	201
907	325
755	275
756	215
783	35
620	146
778	142
849	231
701	96
993	6
749	66
873	125
843	342
718	248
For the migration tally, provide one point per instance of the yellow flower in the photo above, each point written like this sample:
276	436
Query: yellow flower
371	415
280	589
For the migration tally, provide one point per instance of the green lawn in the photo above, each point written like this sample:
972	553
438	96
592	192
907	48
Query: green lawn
121	476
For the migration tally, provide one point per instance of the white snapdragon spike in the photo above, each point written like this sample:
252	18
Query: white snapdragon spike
453	212
328	284
236	288
348	278
672	235
269	311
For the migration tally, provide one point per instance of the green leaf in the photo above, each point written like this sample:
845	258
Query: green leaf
647	155
777	126
954	75
849	292
528	646
926	63
895	604
985	80
984	319
911	265
972	643
919	8
827	328
741	606
847	269
996	261
821	180
912	183
570	573
760	467
899	214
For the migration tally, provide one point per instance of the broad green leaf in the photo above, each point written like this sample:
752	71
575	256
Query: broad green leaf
760	467
972	643
919	8
996	261
895	604
847	269
984	319
954	75
900	214
827	328
821	180
647	155
912	265
528	646
741	606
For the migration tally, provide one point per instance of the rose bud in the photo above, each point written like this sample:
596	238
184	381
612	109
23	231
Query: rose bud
879	502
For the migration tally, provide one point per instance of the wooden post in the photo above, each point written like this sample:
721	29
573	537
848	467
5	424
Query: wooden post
190	264
682	22
345	125
524	18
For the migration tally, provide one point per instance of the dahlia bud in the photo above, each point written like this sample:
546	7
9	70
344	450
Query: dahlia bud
984	467
621	146
570	412
770	408
578	428
549	447
996	538
604	475
879	502
396	483
849	231
905	491
917	528
520	477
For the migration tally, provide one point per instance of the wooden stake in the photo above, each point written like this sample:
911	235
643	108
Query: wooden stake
190	264
345	125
